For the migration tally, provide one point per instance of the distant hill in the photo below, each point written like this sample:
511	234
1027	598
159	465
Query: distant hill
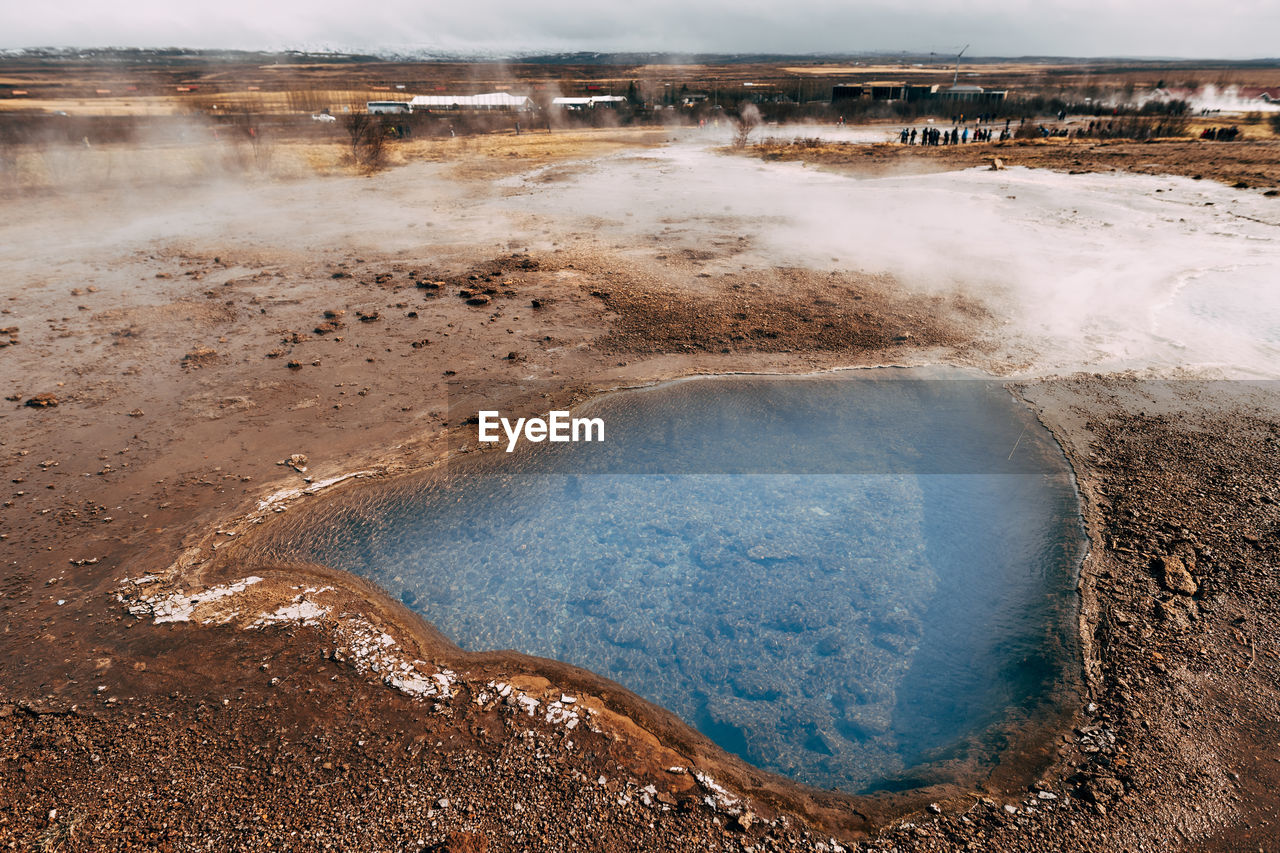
180	55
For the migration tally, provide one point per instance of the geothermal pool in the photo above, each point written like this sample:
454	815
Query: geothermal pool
860	583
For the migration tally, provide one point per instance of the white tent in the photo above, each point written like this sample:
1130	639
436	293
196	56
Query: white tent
587	103
491	101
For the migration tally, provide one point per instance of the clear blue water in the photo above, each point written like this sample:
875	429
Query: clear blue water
854	581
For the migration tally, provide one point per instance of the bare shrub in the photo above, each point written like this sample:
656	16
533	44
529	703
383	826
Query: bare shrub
1027	130
1173	125
248	128
747	120
368	141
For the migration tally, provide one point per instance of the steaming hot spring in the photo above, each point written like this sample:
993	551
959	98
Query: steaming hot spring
860	580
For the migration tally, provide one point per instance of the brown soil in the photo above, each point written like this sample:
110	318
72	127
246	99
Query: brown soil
118	732
1251	164
738	312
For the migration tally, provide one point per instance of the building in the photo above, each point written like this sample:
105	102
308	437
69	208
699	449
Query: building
919	92
846	92
913	92
881	90
971	94
475	103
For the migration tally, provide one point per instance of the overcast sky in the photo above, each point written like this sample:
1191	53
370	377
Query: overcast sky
1234	29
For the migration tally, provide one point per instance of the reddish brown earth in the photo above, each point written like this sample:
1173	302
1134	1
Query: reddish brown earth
176	406
1252	164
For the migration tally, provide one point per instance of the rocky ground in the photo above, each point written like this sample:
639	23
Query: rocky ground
165	689
1252	164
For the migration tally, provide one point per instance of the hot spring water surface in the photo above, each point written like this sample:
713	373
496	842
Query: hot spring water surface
849	581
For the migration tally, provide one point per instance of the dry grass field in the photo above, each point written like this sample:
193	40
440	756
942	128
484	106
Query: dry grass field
197	84
71	122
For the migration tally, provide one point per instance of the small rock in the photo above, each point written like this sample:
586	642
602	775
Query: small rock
199	357
1174	575
1103	789
42	401
768	551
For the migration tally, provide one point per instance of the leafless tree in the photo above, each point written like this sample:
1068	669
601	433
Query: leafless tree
368	137
747	120
249	129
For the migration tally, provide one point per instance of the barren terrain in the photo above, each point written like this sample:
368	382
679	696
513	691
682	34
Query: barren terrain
1243	166
183	360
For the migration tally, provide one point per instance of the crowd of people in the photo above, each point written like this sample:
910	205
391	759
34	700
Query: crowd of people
1133	128
954	136
1220	134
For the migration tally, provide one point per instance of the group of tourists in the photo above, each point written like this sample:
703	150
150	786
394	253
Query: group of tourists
1220	134
954	136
